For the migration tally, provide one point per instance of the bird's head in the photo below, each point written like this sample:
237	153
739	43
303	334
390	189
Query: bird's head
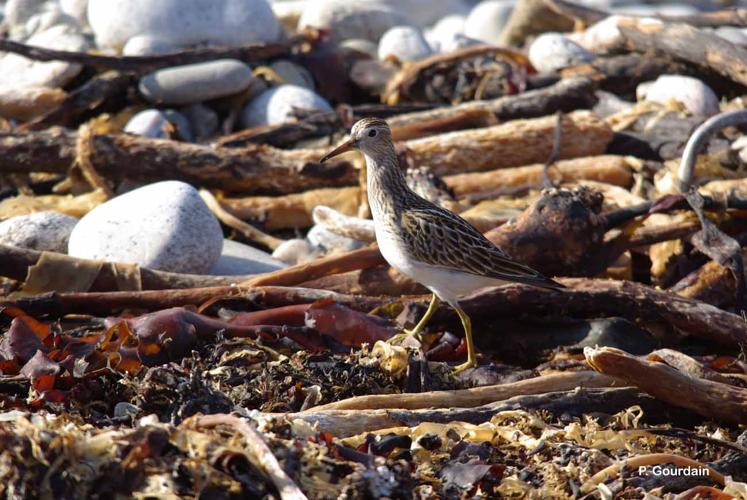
371	136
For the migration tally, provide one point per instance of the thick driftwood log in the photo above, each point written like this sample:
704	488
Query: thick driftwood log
567	95
143	64
254	169
346	423
711	399
685	42
263	169
468	398
294	210
519	142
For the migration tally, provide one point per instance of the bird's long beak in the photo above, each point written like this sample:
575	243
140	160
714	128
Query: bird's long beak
342	148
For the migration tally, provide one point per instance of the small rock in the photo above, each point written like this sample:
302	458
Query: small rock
18	71
18	12
183	23
43	231
426	12
443	32
203	121
326	240
163	226
159	125
600	37
609	104
195	83
277	105
144	45
293	74
296	251
487	20
361	46
78	9
405	43
346	19
732	34
553	51
48	18
237	258
696	96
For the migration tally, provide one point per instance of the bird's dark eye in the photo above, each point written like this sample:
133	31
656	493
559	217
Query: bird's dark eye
372	133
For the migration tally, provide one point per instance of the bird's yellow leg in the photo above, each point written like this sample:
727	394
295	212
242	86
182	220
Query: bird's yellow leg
421	324
467	325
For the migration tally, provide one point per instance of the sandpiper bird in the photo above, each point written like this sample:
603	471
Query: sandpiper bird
427	243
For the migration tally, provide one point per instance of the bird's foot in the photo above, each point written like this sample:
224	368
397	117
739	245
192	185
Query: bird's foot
470	363
399	338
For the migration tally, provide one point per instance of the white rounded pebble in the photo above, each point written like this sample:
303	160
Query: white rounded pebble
405	43
183	23
696	96
553	51
732	34
600	37
351	19
43	231
277	105
295	251
321	237
144	45
78	9
293	73
237	258
361	46
487	20
149	123
195	83
443	32
164	226
18	71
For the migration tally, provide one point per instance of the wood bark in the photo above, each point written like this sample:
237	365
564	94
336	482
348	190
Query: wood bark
468	398
687	43
711	399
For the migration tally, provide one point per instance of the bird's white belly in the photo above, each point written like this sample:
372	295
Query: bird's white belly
447	284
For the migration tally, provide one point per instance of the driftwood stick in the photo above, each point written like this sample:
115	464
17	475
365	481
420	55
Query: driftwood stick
468	398
346	423
711	399
143	64
239	225
687	43
257	451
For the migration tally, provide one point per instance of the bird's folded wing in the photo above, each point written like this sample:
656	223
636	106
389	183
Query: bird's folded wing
441	238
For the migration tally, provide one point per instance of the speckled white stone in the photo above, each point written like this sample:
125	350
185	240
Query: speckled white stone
163	226
696	96
43	231
237	258
193	83
351	18
276	105
443	32
487	20
183	23
553	51
405	43
18	71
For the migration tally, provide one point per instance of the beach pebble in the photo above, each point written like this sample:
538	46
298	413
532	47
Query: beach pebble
195	83
164	226
293	73
323	238
18	12
732	34
405	43
159	124
609	104
145	45
553	51
238	258
696	96
600	37
296	251
183	23
346	19
203	121
487	20
18	71
361	46
276	105
444	31
77	9
426	12
43	231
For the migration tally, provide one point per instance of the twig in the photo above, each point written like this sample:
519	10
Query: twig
144	64
556	141
234	222
83	149
257	451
